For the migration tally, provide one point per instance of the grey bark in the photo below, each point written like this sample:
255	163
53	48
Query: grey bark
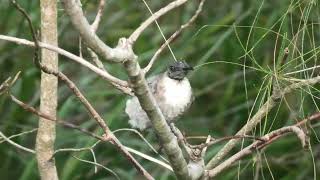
48	97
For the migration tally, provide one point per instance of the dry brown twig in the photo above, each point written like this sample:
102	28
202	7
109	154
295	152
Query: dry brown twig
123	53
123	85
266	140
9	83
271	102
47	117
66	124
257	145
108	136
4	89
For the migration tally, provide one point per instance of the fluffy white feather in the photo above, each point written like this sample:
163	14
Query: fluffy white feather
176	93
172	96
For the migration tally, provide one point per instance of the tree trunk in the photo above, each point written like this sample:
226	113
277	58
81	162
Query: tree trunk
48	100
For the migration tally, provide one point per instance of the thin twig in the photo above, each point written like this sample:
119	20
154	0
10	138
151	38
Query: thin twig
15	144
111	137
160	30
47	117
271	102
97	164
122	85
268	139
5	85
108	135
19	134
147	157
79	95
124	53
313	117
76	149
95	58
302	70
144	139
33	32
174	36
218	140
94	27
96	22
94	160
135	35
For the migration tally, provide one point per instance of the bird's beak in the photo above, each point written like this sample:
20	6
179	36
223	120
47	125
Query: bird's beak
189	68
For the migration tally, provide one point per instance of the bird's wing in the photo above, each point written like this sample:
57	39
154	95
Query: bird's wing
153	83
191	101
138	117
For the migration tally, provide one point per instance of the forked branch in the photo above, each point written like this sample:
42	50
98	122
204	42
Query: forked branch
257	145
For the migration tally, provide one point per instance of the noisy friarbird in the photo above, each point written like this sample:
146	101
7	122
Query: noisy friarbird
171	90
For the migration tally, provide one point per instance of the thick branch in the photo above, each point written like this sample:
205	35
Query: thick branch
124	53
257	118
74	10
149	105
135	35
94	57
46	135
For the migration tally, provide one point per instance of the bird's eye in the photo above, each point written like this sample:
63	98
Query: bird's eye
172	68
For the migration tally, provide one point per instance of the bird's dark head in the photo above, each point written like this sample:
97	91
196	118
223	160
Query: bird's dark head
178	70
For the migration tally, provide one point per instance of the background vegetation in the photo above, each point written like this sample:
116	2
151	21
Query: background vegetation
230	33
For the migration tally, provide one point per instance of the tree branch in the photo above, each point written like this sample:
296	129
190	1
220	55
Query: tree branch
48	117
149	105
100	165
119	84
124	53
19	134
5	138
94	57
271	102
174	36
74	10
135	35
95	24
108	135
257	145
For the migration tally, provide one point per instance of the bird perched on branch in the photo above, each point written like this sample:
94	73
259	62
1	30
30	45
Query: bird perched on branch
171	90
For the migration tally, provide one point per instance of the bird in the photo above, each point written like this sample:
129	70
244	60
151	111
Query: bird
172	92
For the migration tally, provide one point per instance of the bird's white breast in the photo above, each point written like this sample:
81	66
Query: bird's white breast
177	93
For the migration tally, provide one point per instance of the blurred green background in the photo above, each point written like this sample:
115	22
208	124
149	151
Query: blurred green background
231	33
